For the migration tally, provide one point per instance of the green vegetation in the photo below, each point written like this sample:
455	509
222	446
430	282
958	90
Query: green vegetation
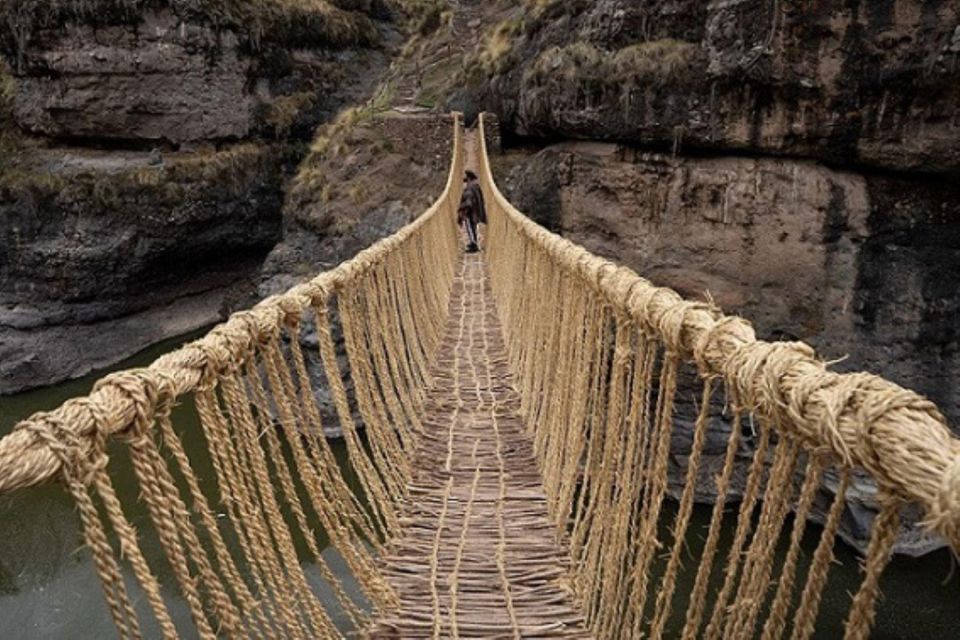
289	23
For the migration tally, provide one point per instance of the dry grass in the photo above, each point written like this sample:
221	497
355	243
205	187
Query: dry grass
169	185
578	60
355	167
647	62
331	141
421	15
285	110
432	15
332	138
497	45
288	23
536	8
357	193
232	164
656	60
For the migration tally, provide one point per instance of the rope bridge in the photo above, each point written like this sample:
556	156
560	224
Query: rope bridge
512	466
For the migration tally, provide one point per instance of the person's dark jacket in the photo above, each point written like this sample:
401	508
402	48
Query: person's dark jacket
472	206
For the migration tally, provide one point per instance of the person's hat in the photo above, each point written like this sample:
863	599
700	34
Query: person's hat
470	175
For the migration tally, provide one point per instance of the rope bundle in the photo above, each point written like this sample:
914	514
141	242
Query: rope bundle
599	351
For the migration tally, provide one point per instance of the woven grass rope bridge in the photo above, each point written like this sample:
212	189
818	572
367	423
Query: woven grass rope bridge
508	419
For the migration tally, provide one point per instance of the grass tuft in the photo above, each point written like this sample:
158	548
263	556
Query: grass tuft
259	23
285	110
657	62
232	169
496	47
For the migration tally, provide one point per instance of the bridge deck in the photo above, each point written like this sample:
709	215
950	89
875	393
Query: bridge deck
479	556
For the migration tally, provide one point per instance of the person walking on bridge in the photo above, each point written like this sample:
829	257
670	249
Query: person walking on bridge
472	210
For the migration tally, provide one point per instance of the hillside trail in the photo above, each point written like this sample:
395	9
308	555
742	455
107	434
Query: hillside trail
440	53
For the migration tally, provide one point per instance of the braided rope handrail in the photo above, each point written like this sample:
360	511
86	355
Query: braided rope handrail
897	435
27	460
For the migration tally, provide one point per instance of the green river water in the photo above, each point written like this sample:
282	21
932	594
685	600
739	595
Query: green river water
49	589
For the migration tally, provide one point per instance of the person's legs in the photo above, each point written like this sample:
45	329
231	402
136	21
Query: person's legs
471	228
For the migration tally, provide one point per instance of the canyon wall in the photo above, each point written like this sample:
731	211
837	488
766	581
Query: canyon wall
795	162
147	145
870	82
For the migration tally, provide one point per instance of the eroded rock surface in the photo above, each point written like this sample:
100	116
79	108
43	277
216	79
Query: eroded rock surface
147	180
157	81
861	266
95	262
871	82
858	265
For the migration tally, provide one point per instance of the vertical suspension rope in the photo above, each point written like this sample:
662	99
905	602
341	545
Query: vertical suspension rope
882	537
668	582
777	617
806	614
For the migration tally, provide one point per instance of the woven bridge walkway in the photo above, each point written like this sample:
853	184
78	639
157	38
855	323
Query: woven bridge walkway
479	556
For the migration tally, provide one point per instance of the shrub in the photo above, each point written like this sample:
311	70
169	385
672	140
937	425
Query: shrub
498	43
285	111
657	60
578	60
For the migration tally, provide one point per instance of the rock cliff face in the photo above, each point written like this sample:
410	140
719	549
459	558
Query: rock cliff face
157	81
165	76
97	264
852	263
153	142
857	255
871	82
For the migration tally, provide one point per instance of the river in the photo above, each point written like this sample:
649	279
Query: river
49	589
